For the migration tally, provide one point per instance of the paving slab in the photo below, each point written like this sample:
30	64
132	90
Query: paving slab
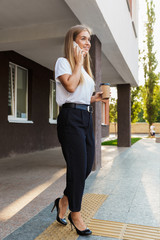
130	176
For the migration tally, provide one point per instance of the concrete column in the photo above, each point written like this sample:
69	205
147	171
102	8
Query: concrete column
95	54
124	115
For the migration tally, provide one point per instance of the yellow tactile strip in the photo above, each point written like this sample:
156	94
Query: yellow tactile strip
123	231
90	204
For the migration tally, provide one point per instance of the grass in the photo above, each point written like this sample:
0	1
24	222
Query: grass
114	142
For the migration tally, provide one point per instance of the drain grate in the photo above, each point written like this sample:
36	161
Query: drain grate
123	231
90	204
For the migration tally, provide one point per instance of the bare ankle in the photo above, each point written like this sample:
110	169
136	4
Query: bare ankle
64	200
76	215
78	220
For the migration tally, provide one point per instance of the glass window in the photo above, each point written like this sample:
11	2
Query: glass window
17	92
129	2
11	91
21	93
53	106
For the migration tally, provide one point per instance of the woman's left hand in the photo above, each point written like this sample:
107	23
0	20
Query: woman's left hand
97	97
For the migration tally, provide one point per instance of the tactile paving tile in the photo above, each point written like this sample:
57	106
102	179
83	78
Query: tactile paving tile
123	231
90	204
134	231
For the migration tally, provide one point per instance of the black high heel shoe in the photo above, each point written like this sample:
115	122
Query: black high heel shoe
60	220
85	232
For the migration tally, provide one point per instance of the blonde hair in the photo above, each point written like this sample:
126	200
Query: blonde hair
69	50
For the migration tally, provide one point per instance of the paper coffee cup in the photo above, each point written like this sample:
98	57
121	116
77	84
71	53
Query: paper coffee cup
105	88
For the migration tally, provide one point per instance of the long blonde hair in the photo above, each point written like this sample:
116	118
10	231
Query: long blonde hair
69	50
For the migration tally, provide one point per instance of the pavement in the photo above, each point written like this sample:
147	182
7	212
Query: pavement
30	183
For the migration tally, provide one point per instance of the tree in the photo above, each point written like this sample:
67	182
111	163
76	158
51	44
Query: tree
157	102
113	112
158	117
150	92
140	116
136	105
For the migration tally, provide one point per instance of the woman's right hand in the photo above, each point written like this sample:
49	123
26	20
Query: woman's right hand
78	55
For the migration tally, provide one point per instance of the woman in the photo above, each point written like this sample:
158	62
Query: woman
74	89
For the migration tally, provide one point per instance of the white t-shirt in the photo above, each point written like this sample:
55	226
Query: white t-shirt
152	129
83	92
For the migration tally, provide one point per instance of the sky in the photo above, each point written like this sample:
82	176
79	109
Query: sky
142	17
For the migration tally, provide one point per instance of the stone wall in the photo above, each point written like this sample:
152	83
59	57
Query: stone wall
137	127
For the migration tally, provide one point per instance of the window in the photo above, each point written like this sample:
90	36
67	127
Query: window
17	93
129	3
53	107
133	9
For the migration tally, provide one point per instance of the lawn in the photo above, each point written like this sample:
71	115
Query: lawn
114	142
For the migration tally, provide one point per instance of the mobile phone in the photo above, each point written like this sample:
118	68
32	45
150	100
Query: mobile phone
76	45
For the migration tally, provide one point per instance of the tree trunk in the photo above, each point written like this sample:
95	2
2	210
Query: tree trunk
149	135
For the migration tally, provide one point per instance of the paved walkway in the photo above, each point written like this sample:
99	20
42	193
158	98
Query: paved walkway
30	183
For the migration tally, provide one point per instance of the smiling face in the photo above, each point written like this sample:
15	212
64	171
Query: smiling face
83	40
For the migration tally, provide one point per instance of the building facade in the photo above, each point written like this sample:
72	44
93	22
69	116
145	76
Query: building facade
27	98
31	39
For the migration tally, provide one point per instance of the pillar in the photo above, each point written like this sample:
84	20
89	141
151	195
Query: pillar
95	54
124	115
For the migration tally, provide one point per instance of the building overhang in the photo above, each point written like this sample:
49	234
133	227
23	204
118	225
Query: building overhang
37	30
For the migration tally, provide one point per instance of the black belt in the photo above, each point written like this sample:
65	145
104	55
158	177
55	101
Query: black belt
85	107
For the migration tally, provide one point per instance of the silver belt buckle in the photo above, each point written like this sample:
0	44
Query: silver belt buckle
90	109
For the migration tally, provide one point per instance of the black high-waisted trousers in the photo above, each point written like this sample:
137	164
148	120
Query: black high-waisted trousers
75	133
